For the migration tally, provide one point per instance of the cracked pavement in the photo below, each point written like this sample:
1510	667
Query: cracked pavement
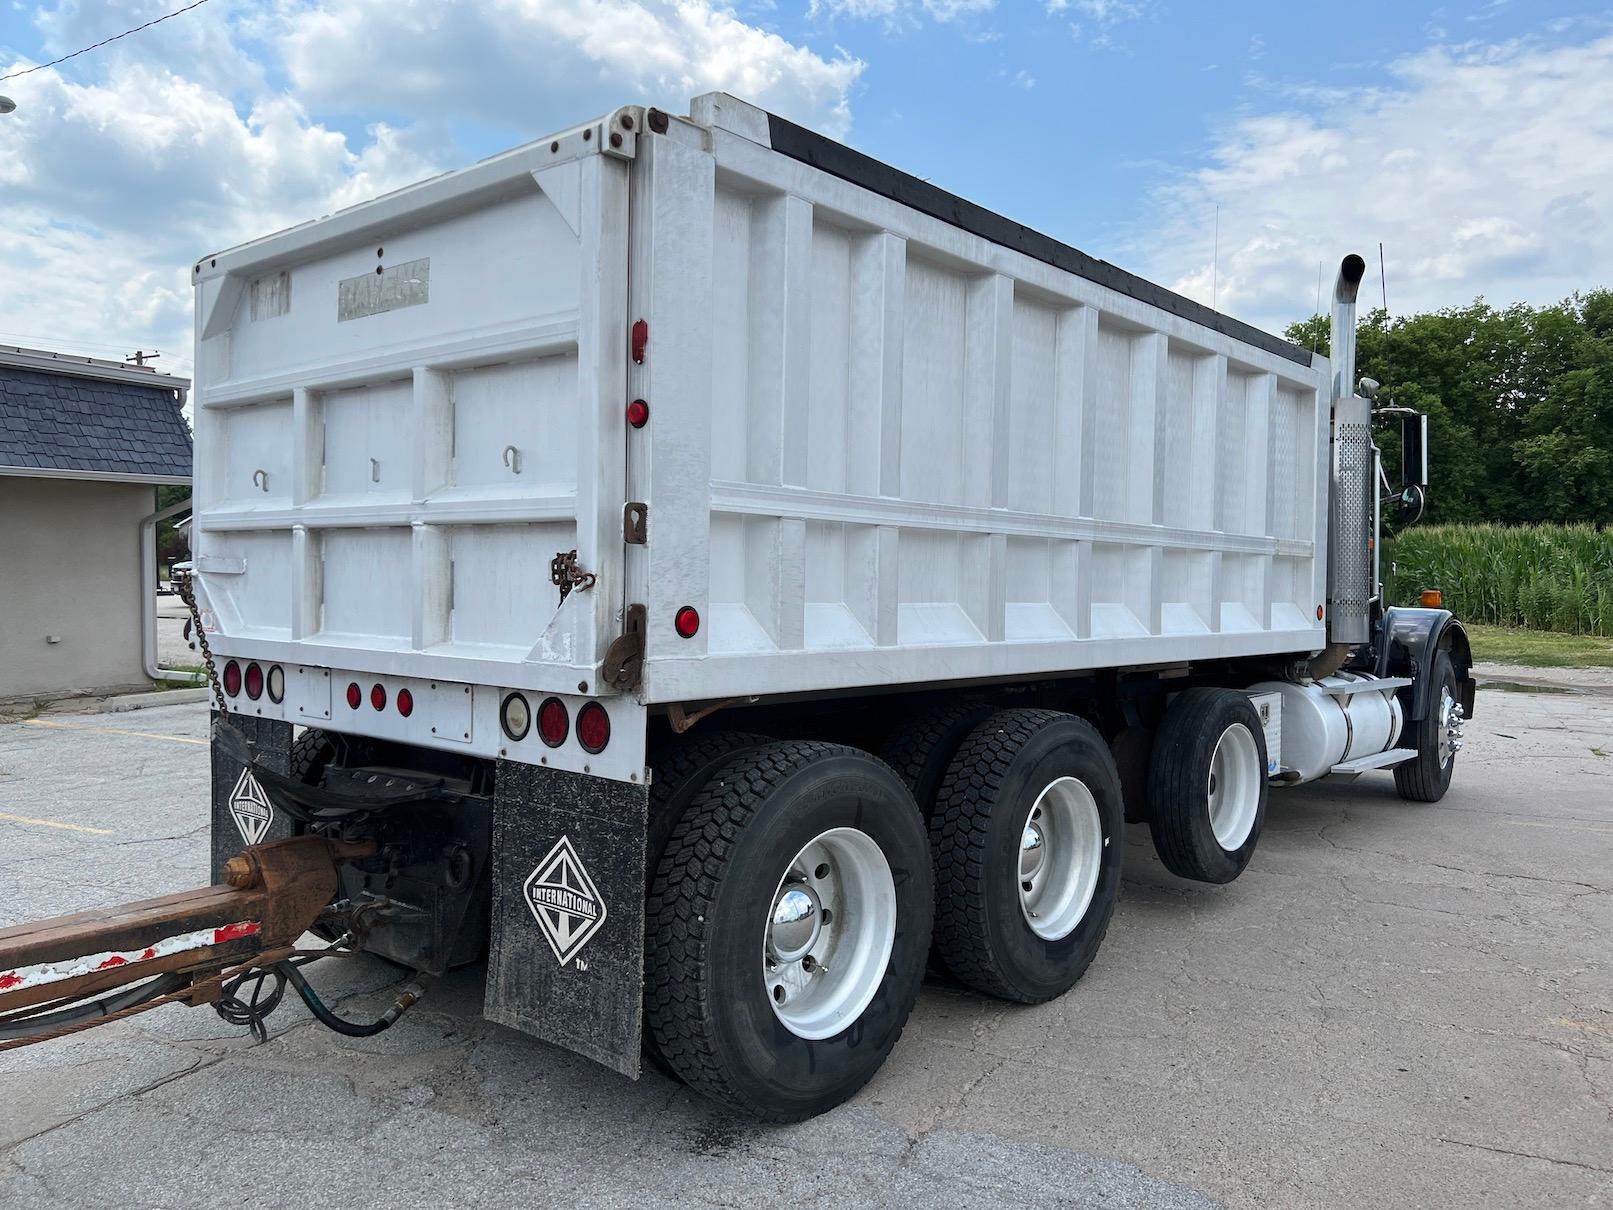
1397	1004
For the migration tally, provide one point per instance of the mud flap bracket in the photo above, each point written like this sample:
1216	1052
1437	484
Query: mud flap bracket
566	952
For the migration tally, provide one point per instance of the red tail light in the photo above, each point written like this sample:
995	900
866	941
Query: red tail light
554	724
405	703
638	413
355	696
378	696
687	622
593	727
254	681
232	678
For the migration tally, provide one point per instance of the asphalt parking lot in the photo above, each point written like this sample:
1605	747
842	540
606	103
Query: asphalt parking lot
1396	1005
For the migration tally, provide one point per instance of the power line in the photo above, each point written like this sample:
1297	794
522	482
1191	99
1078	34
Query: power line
103	42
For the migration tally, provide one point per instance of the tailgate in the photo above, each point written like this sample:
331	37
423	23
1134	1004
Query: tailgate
406	410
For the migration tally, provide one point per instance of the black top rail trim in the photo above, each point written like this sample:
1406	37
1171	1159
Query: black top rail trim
839	160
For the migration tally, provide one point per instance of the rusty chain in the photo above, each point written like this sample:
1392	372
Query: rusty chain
185	583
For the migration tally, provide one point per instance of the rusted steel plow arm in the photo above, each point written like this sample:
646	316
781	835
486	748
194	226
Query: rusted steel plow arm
62	975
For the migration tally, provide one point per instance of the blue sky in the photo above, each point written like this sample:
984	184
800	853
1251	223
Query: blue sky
1475	139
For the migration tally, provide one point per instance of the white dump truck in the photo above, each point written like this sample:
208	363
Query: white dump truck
714	574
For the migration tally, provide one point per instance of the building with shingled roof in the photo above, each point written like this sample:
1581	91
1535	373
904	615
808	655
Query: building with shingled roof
84	445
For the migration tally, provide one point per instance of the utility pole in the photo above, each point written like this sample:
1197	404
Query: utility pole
140	357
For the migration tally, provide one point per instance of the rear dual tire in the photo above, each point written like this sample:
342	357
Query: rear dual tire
790	916
1026	838
1207	785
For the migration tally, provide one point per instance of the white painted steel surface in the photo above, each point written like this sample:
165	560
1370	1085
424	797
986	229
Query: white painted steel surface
881	449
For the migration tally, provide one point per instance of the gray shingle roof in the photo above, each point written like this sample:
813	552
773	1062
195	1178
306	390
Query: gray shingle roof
51	421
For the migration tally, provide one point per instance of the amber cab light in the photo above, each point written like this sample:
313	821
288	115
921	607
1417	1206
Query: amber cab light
554	724
1433	598
593	727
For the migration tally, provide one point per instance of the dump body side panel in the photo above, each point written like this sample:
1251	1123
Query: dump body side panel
933	457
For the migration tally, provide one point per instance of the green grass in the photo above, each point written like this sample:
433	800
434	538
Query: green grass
1538	578
1539	648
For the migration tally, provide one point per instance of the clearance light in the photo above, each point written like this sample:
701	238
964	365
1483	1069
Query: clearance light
638	413
554	724
687	622
593	727
355	695
232	678
1433	598
254	681
277	684
515	716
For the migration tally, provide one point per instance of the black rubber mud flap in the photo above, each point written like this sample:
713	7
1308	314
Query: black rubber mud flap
242	813
566	956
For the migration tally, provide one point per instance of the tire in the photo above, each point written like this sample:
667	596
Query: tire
708	1001
1427	776
679	771
1207	784
1017	768
921	748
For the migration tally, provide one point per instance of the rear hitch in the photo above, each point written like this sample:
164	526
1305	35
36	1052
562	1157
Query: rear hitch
70	973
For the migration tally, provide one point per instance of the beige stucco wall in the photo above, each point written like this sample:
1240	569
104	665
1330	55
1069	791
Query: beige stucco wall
70	566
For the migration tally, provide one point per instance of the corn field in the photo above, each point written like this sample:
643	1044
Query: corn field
1544	577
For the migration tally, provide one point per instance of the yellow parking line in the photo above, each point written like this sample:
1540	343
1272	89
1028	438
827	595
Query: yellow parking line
51	823
45	722
1565	826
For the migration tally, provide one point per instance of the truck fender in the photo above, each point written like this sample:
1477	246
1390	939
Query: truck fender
1410	638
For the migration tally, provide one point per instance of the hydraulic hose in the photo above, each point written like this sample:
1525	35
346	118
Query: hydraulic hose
330	1020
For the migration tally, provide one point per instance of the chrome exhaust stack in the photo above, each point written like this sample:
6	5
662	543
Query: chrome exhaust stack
1351	532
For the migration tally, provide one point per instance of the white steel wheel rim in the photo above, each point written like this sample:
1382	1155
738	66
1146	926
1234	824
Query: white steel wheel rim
831	925
1061	846
1234	787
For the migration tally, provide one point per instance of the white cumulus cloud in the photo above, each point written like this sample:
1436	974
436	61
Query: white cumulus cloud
118	169
1483	170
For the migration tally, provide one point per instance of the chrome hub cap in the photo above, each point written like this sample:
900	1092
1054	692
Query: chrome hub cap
1060	856
1234	787
829	935
1450	727
796	922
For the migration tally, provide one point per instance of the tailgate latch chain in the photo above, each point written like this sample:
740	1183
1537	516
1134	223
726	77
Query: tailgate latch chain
566	575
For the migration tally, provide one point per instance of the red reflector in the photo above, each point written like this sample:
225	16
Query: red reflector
593	727
687	622
254	681
232	678
638	413
641	337
405	703
378	696
355	695
554	724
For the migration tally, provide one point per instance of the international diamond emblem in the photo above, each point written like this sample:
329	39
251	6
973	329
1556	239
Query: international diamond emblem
250	806
565	901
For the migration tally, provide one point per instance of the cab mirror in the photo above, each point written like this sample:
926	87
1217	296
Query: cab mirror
1414	450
